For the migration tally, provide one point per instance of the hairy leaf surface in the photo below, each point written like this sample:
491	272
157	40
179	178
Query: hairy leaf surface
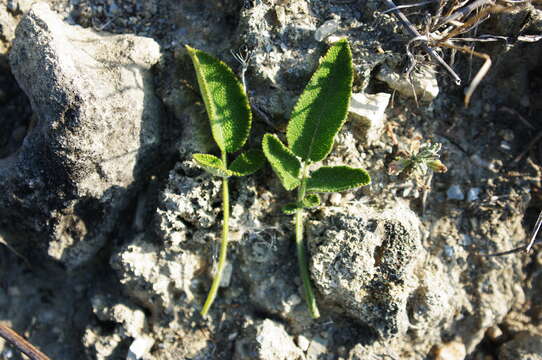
311	200
290	208
321	110
225	100
247	163
211	164
285	164
337	178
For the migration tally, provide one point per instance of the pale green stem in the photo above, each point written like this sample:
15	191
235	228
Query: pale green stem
223	245
300	246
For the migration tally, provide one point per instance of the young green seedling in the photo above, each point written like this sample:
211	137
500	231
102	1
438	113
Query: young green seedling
317	117
229	113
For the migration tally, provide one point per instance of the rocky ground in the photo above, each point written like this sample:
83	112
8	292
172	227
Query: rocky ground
109	230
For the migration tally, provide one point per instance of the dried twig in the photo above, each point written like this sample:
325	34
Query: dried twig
21	344
412	30
481	73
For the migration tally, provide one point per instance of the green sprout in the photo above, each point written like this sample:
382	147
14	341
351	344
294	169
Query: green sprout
230	117
318	115
417	161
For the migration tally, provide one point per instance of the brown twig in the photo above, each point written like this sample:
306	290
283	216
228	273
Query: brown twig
412	30
21	344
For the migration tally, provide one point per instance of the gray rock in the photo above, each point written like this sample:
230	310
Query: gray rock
367	273
266	340
272	287
286	51
155	276
368	111
131	319
317	348
97	130
423	84
524	346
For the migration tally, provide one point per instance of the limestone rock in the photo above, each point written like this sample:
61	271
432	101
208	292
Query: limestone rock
97	131
266	340
152	275
423	84
367	111
367	271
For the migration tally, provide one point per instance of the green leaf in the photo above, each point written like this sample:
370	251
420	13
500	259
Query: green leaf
285	164
337	178
321	110
225	100
290	208
311	200
211	164
247	163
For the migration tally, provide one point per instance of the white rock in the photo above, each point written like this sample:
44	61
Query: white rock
423	84
226	275
473	193
368	110
302	342
326	29
139	347
266	340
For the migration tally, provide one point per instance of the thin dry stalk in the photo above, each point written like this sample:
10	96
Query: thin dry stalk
21	344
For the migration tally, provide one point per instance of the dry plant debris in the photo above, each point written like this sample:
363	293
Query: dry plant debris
450	23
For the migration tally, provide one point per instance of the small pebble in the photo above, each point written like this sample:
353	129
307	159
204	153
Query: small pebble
226	275
327	28
455	193
472	194
505	145
139	347
494	333
448	251
302	342
454	350
335	199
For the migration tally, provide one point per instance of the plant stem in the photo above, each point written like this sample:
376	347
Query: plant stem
223	245
300	246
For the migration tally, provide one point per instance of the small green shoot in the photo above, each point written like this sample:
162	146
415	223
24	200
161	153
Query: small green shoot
318	115
417	161
229	113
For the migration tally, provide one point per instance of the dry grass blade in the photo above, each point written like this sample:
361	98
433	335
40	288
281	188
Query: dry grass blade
481	73
535	231
21	344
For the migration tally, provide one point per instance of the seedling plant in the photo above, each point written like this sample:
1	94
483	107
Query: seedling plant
230	117
317	117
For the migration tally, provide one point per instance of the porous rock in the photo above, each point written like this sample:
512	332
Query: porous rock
154	275
285	47
266	340
367	269
97	131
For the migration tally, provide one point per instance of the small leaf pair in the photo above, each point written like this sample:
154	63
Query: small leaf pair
230	117
318	115
245	164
